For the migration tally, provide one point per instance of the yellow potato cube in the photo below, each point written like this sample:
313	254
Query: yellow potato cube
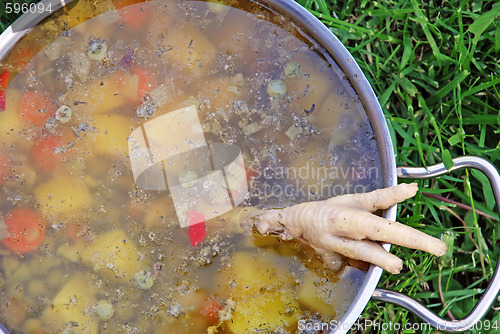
254	273
63	194
112	132
187	48
10	121
314	293
261	288
103	96
265	311
73	305
79	11
114	255
310	86
160	213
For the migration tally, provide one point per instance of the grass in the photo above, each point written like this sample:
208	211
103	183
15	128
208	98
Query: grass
434	67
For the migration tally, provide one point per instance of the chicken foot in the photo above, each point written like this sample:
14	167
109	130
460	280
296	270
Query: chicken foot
345	225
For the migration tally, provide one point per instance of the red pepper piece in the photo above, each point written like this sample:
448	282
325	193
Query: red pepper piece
197	229
4	81
2	100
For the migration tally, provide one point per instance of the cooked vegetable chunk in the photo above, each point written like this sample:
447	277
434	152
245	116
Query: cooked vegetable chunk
4	168
185	47
112	134
114	255
37	107
267	311
72	306
103	96
273	306
25	229
63	194
47	153
316	294
104	309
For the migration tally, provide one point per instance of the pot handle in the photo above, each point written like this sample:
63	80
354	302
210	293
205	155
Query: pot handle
491	292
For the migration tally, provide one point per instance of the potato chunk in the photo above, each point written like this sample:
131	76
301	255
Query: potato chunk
187	49
260	288
103	96
73	305
63	194
112	133
265	311
115	256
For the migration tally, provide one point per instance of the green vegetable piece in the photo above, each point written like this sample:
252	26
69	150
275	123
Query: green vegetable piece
187	177
143	279
97	49
104	310
63	114
291	70
70	331
276	88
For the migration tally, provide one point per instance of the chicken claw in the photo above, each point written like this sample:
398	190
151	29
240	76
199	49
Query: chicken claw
344	225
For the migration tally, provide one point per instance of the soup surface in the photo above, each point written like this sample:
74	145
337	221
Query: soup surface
130	146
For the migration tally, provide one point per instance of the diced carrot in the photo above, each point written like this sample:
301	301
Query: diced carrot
13	312
5	171
145	81
22	56
4	81
73	231
45	154
134	17
26	229
210	310
37	107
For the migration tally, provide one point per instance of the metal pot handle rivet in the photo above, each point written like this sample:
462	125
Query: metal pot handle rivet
490	293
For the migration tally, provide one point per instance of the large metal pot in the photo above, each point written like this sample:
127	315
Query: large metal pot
391	173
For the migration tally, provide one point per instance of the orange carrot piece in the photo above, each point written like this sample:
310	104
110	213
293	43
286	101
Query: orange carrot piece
135	17
73	231
26	229
210	310
22	57
13	312
5	166
145	82
45	154
37	107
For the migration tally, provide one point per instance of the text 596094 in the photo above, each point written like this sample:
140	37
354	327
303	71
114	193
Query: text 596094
22	8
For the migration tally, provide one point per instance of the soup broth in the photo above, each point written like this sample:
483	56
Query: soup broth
103	228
